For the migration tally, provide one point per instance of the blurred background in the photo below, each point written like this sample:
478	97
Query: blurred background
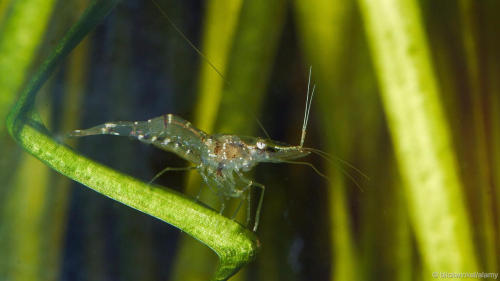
431	149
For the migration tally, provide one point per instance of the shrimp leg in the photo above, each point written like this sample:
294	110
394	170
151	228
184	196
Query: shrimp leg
222	203
171	169
243	197
250	183
257	215
248	206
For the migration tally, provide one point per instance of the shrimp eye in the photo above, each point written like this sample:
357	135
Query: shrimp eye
261	145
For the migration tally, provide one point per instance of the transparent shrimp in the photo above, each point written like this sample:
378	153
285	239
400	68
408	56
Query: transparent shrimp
220	159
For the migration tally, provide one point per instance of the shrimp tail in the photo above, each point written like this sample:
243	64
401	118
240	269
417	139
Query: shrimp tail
117	129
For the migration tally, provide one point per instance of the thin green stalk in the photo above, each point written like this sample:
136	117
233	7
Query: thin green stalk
234	244
27	235
323	26
420	134
220	27
21	35
248	63
220	24
60	187
492	25
482	176
249	71
23	25
383	206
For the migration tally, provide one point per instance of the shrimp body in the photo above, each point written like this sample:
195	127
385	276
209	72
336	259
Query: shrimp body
167	132
220	159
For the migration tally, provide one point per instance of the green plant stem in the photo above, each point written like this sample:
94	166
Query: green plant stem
21	34
421	135
482	175
321	24
234	244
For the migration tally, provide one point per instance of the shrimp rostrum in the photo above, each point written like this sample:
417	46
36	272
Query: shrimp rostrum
220	159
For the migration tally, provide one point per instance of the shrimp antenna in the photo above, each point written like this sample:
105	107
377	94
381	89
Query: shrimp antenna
308	109
325	156
220	74
310	165
329	157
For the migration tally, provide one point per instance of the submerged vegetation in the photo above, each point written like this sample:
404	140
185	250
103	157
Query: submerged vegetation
406	92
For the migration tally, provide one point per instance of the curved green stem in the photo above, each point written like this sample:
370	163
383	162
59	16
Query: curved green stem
234	244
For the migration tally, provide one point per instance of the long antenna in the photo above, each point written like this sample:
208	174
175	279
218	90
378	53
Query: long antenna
308	109
220	74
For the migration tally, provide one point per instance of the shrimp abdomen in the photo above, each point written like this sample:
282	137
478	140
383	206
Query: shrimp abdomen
168	132
118	129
